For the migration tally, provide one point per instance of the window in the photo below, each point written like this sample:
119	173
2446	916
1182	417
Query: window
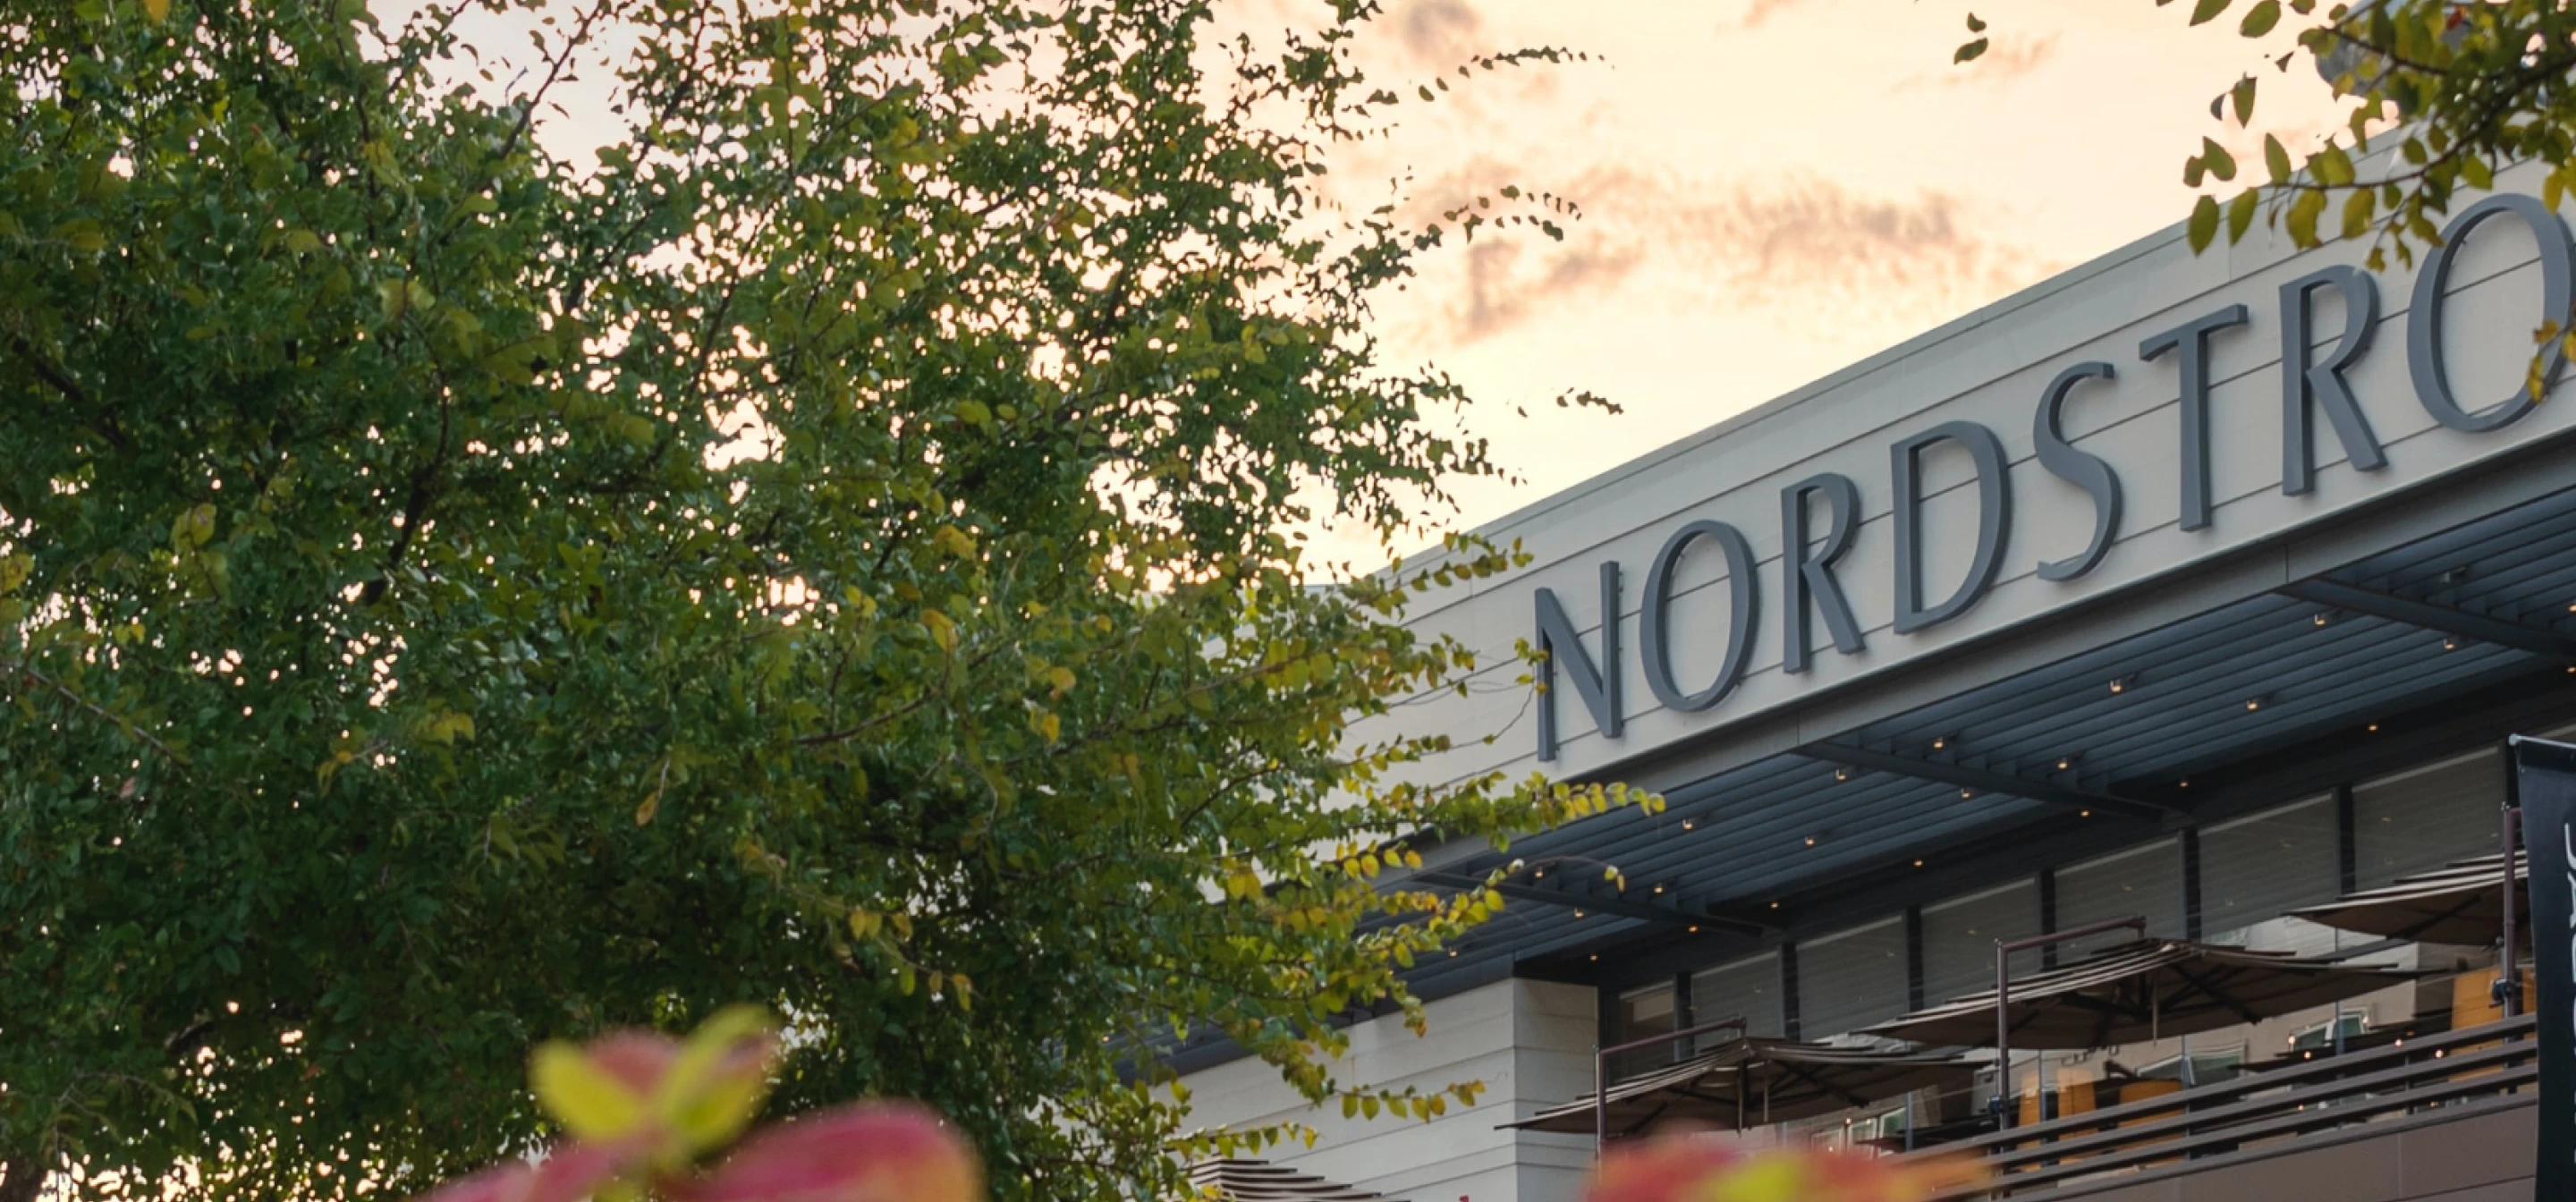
2146	882
1849	980
1643	1013
2426	818
1746	989
1959	938
2254	868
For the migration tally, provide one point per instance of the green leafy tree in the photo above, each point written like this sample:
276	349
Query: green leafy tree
2437	96
840	550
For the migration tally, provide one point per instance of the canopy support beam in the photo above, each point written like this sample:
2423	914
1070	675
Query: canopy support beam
2442	619
1982	781
1617	906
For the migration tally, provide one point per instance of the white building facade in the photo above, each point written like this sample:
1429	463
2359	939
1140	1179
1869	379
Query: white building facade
2194	587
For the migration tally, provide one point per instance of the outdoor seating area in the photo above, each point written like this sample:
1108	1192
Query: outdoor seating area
2077	1112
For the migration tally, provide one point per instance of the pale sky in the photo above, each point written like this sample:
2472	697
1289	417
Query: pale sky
1774	189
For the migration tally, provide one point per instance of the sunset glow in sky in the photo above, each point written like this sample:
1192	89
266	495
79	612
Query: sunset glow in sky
1774	189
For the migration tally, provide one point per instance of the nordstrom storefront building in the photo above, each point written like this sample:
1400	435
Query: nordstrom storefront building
2198	590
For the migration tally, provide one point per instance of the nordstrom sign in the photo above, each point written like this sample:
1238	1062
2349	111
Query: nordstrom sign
1820	514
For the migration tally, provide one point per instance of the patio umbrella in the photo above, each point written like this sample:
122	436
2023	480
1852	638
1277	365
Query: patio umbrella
2146	989
1746	1081
1262	1181
2461	902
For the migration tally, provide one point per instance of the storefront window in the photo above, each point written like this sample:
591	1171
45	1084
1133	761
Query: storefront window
1644	1013
2143	883
1959	938
2426	818
2254	868
1849	980
1746	989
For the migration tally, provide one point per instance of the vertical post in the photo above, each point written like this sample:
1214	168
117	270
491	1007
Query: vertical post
1601	1071
2509	987
2191	915
2347	839
2003	998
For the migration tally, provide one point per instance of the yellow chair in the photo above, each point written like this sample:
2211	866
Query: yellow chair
2473	1000
2473	1004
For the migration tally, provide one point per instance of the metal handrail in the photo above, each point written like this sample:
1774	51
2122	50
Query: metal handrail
2003	1000
1601	1069
2211	1120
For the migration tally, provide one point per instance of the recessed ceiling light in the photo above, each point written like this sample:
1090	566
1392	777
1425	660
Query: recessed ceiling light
2122	684
1811	840
2450	643
1918	863
1965	794
1842	774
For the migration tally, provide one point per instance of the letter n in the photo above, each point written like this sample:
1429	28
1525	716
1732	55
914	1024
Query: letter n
1560	644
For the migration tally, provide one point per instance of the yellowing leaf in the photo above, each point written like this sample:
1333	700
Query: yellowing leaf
2204	223
585	1099
942	628
714	1087
158	10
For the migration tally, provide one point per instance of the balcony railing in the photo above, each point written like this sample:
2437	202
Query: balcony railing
2456	1073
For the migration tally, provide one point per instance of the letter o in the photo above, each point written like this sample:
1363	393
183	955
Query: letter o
2424	317
1745	589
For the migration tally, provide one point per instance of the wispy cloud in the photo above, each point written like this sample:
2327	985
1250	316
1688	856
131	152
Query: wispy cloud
1763	10
1438	33
1804	244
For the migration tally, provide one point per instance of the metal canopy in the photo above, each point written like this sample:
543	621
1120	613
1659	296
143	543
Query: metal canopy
2461	902
2129	721
2147	989
1755	1081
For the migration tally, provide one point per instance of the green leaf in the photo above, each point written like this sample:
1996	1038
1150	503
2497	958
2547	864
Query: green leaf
2205	11
1975	25
1970	51
2358	208
2260	19
2240	215
2276	160
2243	97
2204	223
2301	221
2475	170
2220	163
2331	166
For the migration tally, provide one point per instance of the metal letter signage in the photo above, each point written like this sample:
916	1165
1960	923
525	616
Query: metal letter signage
1596	682
2545	780
2322	381
1994	522
1809	571
2424	319
2090	472
2192	337
1744	608
2311	382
